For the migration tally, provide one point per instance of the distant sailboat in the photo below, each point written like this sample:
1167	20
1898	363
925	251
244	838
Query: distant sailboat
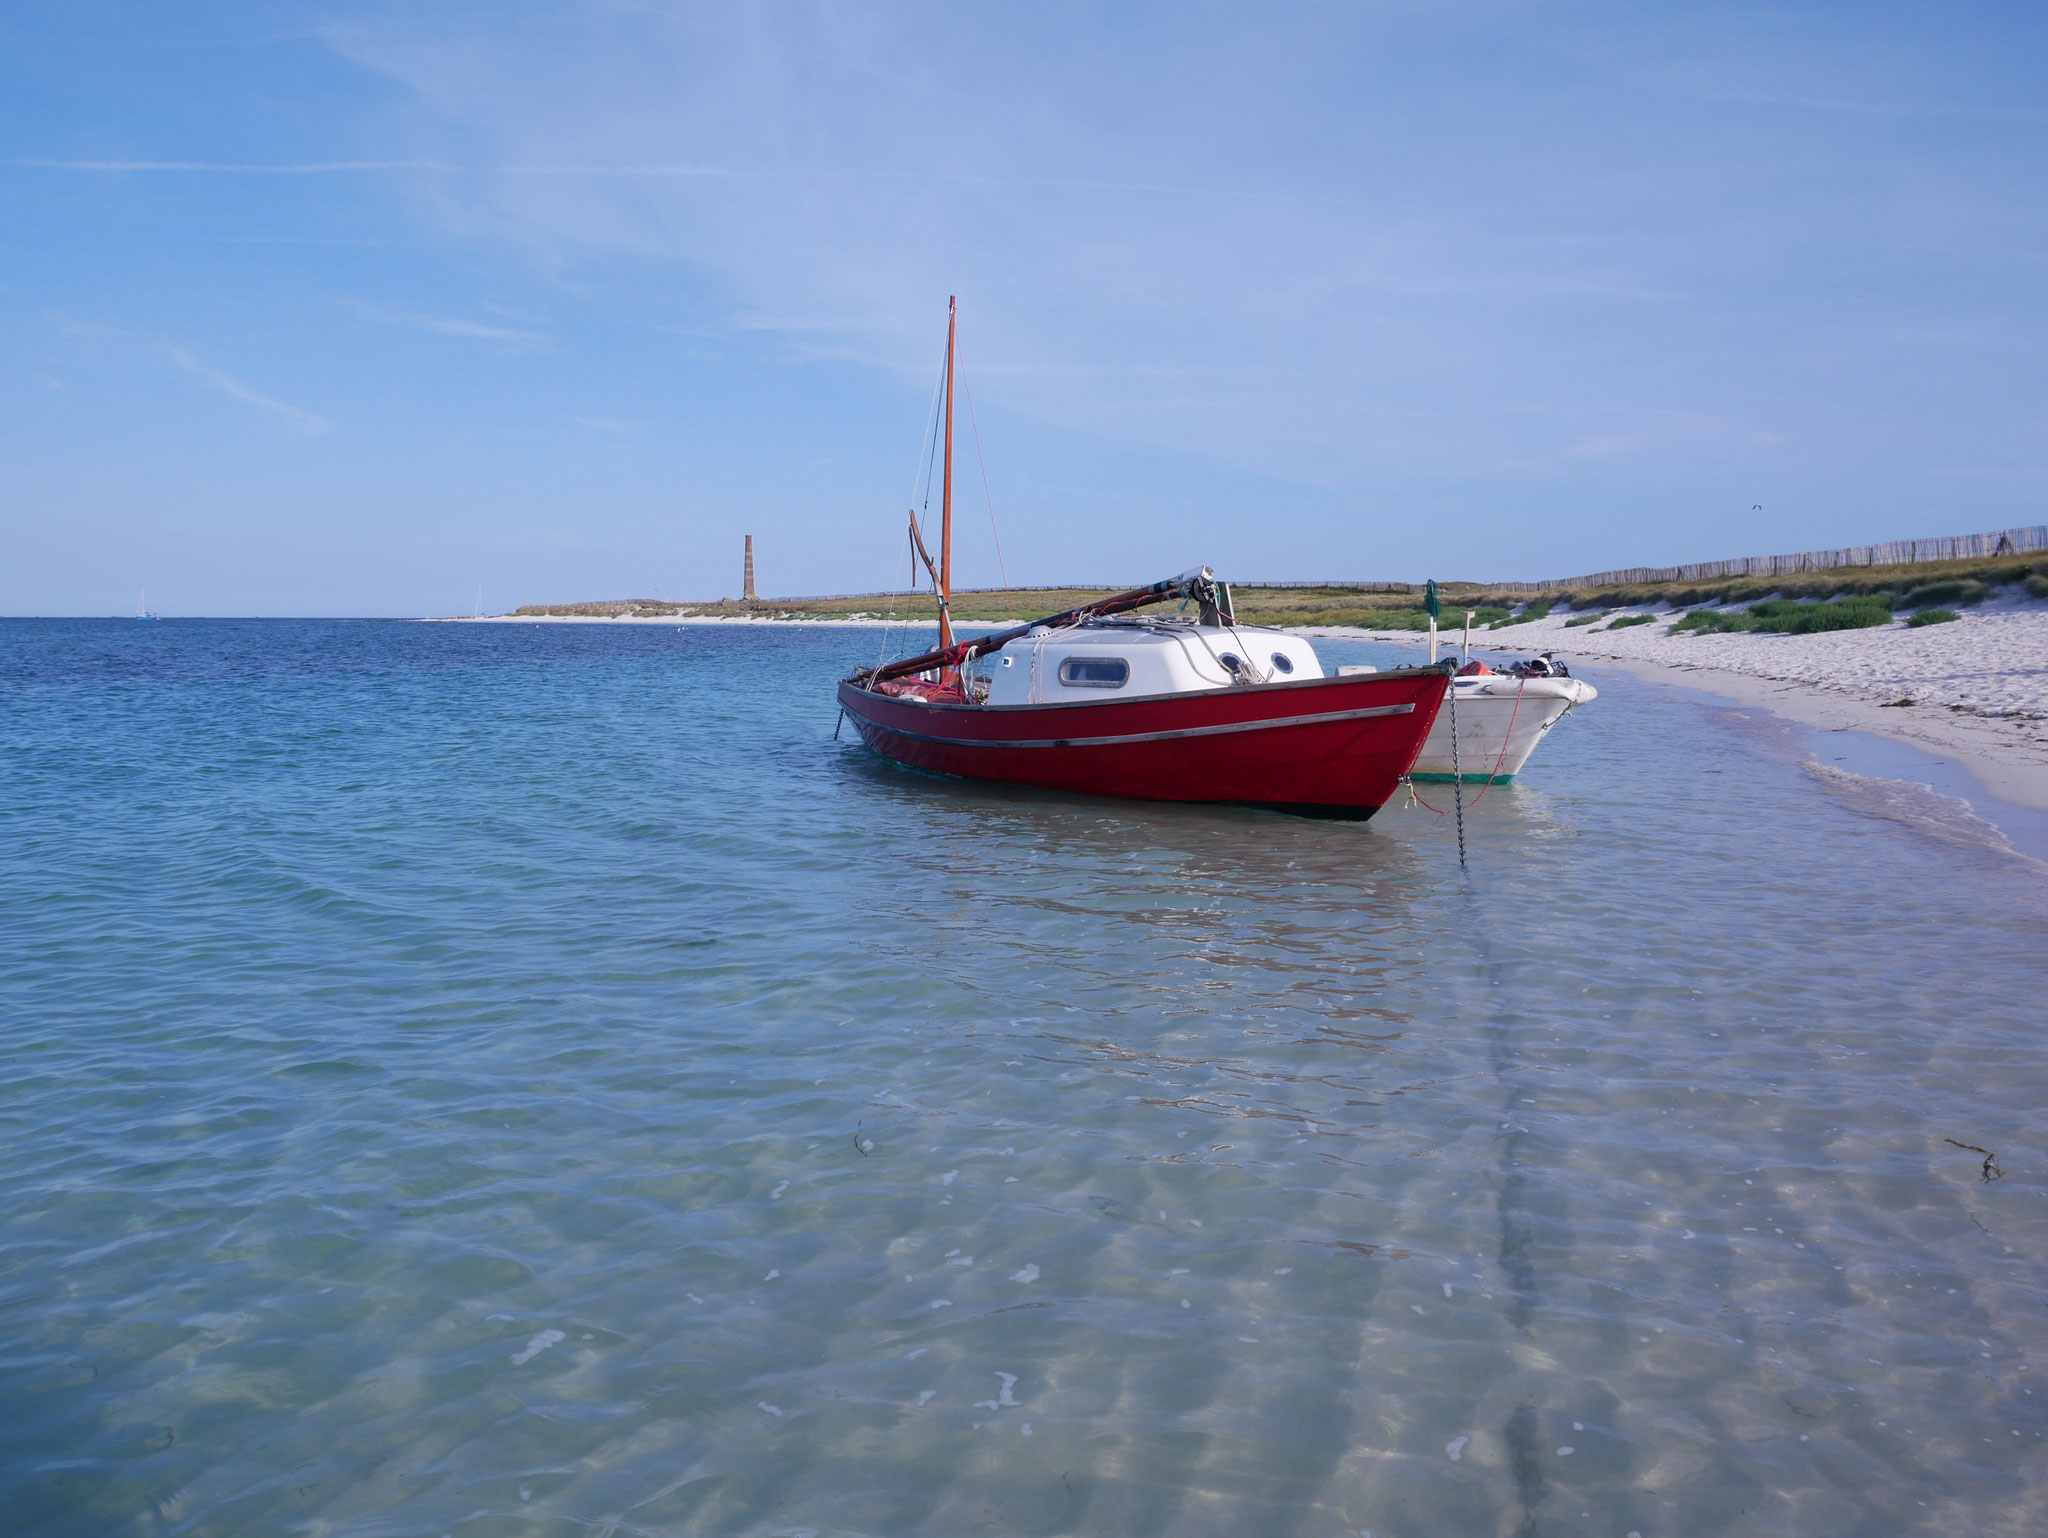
142	606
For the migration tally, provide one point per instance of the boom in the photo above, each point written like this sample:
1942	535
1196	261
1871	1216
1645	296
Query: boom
1199	584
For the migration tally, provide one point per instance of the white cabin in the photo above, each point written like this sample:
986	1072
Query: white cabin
1104	659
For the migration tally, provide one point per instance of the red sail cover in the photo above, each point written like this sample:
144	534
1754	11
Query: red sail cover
1332	747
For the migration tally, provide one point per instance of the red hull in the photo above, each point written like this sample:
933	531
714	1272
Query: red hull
1334	747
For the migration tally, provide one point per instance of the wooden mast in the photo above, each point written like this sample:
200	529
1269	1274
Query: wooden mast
946	501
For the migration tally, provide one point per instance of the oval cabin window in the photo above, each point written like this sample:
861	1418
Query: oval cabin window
1095	672
1281	663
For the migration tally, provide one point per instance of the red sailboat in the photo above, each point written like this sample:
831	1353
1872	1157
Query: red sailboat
1106	701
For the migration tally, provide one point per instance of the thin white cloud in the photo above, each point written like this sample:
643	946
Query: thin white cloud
236	168
1335	248
1230	279
2025	474
346	167
446	325
227	384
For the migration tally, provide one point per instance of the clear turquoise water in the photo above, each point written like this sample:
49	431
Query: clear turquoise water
499	1080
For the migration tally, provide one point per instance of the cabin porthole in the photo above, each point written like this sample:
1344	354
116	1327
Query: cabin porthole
1282	663
1232	662
1095	672
1009	661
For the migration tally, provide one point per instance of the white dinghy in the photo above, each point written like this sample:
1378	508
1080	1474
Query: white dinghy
1501	717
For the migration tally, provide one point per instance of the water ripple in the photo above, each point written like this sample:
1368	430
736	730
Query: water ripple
535	1081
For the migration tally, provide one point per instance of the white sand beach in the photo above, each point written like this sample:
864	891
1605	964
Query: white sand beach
1975	690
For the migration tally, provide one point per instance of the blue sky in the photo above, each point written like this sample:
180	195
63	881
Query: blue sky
350	308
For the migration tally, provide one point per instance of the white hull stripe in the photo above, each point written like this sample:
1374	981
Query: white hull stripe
1105	742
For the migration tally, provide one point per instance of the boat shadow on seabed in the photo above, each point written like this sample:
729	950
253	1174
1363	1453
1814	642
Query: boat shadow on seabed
1249	841
979	823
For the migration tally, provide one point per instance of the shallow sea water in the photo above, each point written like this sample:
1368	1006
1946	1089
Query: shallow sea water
533	1081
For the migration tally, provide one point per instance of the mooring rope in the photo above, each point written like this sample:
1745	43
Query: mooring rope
1505	743
1492	774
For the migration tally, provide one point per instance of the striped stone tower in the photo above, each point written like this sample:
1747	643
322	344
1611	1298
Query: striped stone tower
748	593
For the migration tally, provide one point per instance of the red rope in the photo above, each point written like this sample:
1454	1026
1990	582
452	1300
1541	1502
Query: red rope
1510	737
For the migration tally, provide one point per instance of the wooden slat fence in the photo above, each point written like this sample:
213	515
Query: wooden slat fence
1948	547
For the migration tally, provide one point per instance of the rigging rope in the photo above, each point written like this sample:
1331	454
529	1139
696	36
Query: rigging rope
975	423
922	474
